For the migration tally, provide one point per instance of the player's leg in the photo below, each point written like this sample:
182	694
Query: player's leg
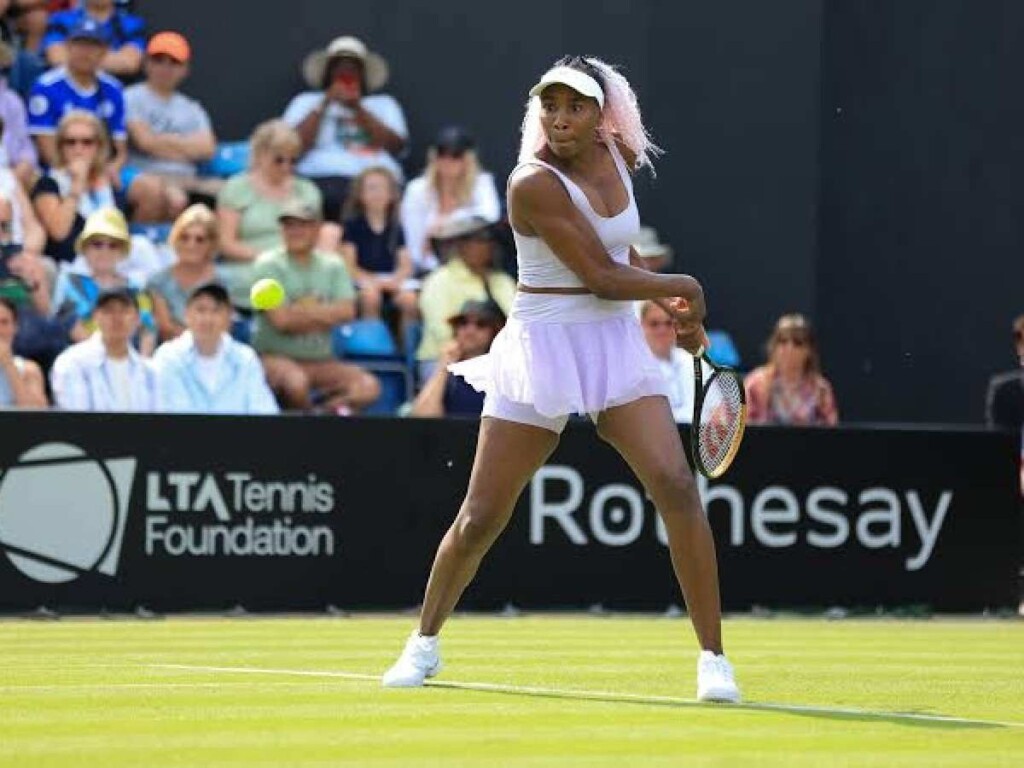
507	455
644	433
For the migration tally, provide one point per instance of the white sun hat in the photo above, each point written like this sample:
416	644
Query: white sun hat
374	65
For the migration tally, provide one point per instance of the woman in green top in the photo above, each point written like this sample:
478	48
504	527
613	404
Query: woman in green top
249	204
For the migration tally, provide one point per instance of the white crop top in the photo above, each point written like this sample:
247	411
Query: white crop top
539	267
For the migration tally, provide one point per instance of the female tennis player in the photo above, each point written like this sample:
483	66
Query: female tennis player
573	344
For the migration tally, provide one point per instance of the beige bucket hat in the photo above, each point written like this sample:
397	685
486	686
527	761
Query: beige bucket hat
374	65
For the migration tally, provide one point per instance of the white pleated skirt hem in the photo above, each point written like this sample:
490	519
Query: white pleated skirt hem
563	368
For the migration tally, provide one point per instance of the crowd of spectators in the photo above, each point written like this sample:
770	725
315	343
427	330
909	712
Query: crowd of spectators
127	255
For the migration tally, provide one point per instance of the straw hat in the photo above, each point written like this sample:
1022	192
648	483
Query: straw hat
374	65
108	222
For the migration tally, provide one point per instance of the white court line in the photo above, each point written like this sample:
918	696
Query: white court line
613	696
86	687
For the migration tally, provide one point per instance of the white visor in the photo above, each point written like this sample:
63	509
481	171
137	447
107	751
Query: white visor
580	82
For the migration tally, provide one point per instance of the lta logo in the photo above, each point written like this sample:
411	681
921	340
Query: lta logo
63	513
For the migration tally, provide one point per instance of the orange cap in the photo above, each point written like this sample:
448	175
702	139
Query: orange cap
170	44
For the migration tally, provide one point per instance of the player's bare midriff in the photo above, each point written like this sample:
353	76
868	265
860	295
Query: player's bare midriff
580	291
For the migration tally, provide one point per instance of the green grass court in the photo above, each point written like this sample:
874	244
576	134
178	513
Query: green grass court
528	691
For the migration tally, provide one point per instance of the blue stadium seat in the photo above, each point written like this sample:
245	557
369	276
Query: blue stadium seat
395	387
363	339
230	158
723	351
413	337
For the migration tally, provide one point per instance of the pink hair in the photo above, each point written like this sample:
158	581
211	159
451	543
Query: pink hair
620	119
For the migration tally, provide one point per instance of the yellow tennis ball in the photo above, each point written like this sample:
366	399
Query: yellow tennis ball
266	294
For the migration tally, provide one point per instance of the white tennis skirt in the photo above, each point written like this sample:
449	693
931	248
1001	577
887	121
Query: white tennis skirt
566	354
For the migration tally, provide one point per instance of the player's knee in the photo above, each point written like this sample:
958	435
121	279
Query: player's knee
474	529
670	480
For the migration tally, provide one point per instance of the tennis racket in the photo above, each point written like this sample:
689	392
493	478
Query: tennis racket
719	416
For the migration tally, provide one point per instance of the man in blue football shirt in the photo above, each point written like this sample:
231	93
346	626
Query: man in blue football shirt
80	84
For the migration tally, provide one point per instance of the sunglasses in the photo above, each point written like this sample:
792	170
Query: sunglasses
455	154
197	239
83	141
104	243
479	322
285	160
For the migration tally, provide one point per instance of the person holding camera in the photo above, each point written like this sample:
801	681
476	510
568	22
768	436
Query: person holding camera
345	126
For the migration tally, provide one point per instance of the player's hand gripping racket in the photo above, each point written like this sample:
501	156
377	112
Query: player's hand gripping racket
719	416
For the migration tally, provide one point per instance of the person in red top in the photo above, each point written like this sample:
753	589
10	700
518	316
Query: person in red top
790	389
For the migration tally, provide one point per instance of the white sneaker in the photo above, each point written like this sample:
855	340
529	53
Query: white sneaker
420	659
715	680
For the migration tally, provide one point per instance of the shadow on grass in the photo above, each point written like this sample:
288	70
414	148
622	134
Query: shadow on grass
849	715
910	719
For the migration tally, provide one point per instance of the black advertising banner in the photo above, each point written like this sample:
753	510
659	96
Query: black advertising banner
280	513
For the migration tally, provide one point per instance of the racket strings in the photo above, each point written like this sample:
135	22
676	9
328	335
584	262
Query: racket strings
721	422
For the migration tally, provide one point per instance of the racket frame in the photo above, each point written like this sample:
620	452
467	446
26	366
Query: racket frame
699	390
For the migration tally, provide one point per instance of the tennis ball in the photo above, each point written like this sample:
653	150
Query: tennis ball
266	294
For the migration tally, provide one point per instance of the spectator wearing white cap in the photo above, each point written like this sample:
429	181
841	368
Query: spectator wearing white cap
345	125
453	183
